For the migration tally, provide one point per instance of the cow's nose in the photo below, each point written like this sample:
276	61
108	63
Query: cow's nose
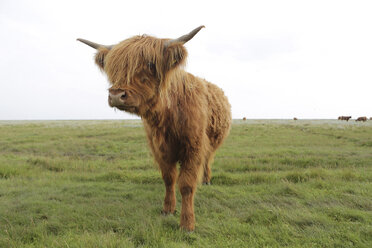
117	99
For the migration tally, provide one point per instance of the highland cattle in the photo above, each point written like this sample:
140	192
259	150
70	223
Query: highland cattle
186	118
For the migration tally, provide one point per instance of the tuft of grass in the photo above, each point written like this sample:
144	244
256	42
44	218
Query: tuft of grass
297	177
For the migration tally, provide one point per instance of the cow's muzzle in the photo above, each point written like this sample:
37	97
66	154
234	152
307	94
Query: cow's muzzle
117	98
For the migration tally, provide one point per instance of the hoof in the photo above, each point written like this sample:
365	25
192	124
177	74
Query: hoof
165	213
187	230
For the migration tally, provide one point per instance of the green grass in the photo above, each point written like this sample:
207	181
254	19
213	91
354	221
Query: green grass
276	183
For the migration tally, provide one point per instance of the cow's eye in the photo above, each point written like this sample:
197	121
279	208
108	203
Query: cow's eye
152	67
144	80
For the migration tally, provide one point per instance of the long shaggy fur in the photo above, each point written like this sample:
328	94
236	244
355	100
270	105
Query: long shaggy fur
185	117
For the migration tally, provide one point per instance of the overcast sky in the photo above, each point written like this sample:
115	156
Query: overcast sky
273	59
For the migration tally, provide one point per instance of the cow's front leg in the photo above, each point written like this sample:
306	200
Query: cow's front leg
169	174
187	183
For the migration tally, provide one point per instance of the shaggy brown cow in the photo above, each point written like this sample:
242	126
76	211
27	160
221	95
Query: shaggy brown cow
363	118
185	117
295	119
244	118
344	118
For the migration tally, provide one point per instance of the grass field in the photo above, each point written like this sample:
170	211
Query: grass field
276	183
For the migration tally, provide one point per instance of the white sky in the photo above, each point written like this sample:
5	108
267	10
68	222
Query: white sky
273	59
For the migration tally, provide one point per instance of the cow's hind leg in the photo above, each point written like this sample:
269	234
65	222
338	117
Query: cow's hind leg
207	173
169	174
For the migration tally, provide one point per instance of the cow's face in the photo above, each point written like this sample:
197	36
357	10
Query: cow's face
137	69
138	92
131	69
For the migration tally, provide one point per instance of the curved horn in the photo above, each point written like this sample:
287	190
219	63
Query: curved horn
185	38
93	44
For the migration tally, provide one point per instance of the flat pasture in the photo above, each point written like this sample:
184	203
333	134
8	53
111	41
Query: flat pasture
276	183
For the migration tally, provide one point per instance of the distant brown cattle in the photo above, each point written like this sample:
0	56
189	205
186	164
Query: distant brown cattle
244	119
295	119
344	118
363	118
370	118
